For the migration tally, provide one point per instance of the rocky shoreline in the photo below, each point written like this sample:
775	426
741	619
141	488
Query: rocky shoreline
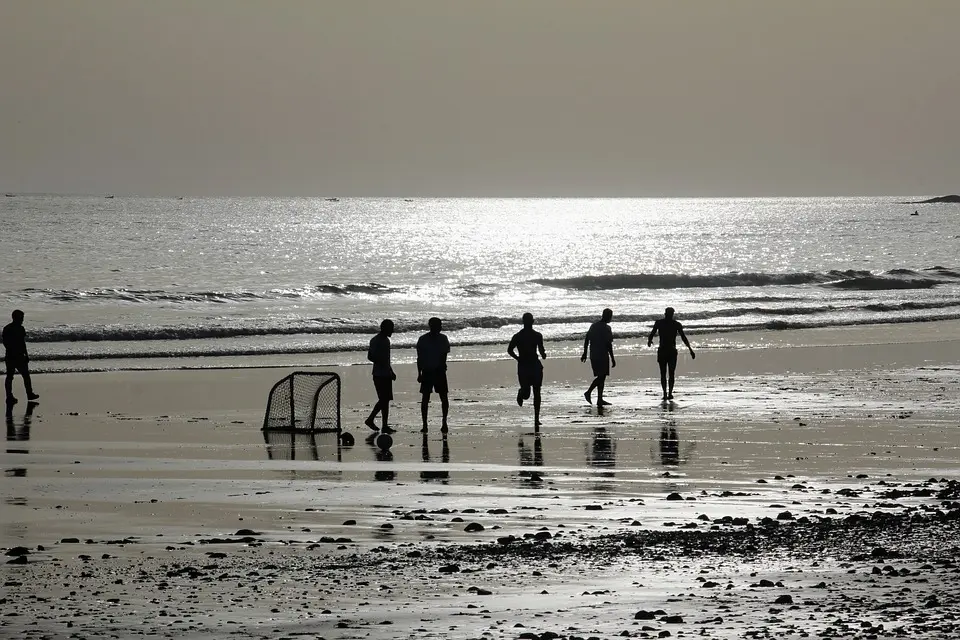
887	569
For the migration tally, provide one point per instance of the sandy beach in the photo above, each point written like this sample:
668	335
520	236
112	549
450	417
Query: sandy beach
804	489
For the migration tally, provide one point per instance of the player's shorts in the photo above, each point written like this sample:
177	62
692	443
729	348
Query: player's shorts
16	364
667	356
433	381
601	366
530	374
384	387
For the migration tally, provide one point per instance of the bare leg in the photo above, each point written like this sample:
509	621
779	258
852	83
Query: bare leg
663	378
445	408
25	372
600	400
424	410
597	382
373	414
673	370
536	408
385	413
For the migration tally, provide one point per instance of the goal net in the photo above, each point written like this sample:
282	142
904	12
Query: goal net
304	401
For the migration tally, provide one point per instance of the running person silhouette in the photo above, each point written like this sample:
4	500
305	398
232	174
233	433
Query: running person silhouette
600	341
669	329
524	346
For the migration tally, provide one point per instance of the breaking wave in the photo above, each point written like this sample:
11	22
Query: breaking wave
848	279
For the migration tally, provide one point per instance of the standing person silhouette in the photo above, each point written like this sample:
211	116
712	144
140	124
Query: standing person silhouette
669	329
383	376
432	350
524	347
15	344
600	342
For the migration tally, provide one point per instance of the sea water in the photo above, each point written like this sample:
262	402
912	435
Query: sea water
132	282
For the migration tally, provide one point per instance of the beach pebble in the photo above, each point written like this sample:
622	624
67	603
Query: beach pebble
473	527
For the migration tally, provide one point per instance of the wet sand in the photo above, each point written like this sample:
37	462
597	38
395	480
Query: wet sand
151	503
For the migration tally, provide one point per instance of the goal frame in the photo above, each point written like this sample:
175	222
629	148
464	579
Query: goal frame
290	380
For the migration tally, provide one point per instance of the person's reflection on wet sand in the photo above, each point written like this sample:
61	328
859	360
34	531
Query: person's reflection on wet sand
531	457
602	450
18	433
428	475
381	455
669	446
670	454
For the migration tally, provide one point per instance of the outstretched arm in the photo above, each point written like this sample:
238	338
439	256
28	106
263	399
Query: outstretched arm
683	337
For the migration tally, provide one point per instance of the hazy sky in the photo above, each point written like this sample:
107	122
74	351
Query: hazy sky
480	97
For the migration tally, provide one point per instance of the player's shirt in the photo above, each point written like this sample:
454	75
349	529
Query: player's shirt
379	354
527	343
432	350
15	340
668	330
600	336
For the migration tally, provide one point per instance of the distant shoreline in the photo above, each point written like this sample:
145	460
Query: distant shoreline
952	199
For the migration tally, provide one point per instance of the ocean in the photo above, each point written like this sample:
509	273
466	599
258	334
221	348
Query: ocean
135	282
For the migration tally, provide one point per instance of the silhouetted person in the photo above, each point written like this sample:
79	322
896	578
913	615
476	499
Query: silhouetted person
599	340
383	376
432	350
669	329
15	343
524	347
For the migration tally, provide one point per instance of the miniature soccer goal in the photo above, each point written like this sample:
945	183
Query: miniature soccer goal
304	401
